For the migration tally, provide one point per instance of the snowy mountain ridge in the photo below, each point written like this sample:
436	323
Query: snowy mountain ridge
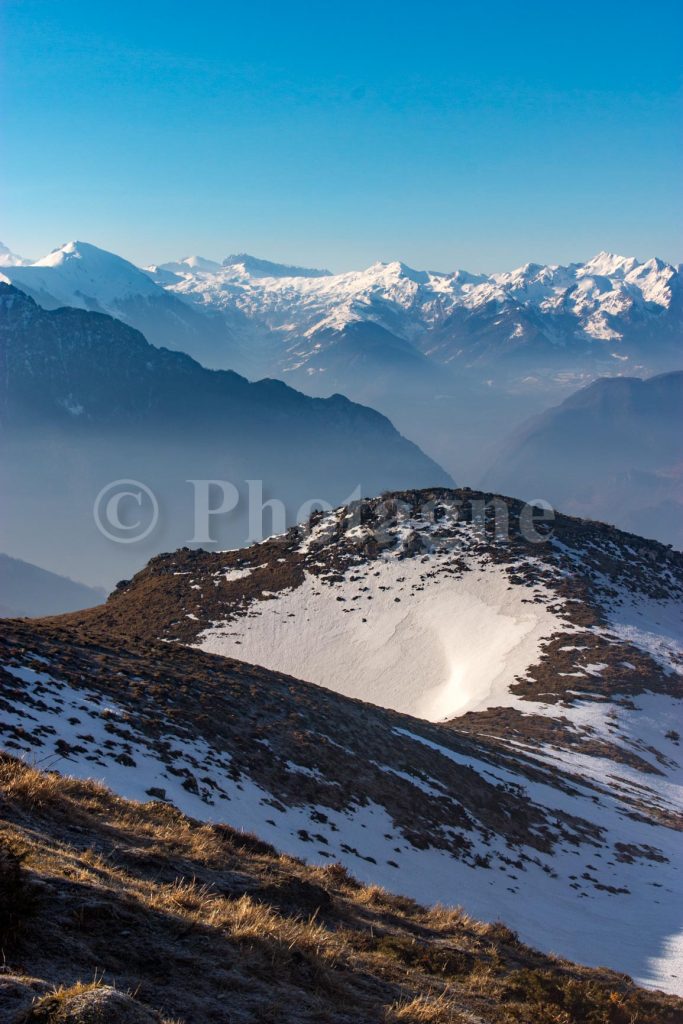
83	276
594	300
592	293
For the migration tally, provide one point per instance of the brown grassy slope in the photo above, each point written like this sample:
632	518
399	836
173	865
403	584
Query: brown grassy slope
205	924
266	721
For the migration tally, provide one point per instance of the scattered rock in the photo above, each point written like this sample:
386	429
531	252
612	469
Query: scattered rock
156	793
17	992
191	785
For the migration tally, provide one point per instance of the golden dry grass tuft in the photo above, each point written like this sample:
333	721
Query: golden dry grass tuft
425	1010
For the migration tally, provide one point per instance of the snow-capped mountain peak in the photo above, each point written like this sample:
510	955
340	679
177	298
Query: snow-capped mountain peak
11	259
83	275
654	280
608	264
397	270
253	266
70	250
189	265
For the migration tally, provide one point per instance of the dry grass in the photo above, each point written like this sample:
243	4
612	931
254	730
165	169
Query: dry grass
50	1007
90	1002
426	1010
203	923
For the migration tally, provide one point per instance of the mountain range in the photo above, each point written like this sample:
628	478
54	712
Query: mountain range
443	693
613	307
462	363
456	360
610	308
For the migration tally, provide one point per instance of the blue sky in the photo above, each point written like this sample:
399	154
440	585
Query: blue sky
446	134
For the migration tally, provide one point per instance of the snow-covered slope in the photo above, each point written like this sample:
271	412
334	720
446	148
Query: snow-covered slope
560	655
553	801
84	276
412	634
437	623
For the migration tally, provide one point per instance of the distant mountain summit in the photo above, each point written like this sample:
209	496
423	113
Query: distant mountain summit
10	259
82	275
255	267
188	265
241	264
94	402
26	589
610	451
86	277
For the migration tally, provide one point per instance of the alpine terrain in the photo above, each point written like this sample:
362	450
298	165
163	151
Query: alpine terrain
341	361
447	692
610	309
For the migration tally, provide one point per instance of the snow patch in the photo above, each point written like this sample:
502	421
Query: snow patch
407	636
